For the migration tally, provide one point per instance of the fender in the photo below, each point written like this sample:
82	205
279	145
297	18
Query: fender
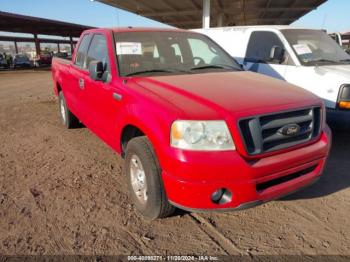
154	125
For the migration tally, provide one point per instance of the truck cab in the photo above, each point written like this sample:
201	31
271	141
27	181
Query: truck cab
303	57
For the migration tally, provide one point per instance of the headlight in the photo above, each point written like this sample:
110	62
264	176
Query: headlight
201	135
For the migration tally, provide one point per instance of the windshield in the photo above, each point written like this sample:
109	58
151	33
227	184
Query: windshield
159	53
315	47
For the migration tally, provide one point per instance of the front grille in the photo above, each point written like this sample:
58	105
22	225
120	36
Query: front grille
266	133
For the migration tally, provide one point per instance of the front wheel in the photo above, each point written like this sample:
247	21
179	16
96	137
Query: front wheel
144	179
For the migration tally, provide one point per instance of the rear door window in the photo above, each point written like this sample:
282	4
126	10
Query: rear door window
202	51
82	50
205	52
177	51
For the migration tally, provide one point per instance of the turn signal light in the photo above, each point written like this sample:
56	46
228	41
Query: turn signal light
344	105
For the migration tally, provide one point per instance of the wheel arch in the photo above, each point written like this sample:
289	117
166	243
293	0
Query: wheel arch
58	88
129	132
151	128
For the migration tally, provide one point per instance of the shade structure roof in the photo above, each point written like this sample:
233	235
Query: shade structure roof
188	13
33	25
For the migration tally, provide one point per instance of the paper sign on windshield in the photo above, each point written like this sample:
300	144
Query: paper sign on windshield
302	49
129	48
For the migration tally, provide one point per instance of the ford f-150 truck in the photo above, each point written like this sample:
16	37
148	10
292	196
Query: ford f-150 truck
195	130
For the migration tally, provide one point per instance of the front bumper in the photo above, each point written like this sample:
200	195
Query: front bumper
192	177
244	205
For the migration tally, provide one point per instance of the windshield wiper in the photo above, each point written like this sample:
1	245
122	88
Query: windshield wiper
150	71
324	61
214	67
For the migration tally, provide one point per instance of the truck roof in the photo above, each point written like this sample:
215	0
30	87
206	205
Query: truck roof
137	29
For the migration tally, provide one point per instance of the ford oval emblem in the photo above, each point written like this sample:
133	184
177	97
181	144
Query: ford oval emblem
290	130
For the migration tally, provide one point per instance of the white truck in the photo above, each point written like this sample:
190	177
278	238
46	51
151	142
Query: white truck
343	40
304	57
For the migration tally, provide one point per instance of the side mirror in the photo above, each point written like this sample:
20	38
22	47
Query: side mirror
277	54
96	70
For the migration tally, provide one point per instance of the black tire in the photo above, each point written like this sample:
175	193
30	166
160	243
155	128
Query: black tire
157	204
68	118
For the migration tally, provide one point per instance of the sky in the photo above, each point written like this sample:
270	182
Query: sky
333	15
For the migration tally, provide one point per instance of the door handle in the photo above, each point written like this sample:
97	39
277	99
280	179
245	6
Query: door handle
81	83
117	96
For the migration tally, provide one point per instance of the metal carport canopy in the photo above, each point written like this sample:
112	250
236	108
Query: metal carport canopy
34	25
197	13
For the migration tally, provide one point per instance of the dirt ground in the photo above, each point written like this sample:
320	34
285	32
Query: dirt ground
62	192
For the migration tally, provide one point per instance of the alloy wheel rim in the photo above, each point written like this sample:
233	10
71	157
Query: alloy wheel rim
138	179
63	111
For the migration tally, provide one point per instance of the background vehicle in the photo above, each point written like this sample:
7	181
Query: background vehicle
195	130
21	60
343	40
44	58
62	55
3	61
306	58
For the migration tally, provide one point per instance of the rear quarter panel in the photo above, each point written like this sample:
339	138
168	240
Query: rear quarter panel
59	70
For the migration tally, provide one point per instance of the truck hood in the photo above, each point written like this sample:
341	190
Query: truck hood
227	91
337	71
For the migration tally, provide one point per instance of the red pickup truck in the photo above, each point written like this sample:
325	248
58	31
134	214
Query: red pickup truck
195	130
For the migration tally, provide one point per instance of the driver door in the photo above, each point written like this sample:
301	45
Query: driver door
102	106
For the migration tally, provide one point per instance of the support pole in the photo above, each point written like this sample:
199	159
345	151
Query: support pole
220	21
16	47
71	45
37	45
58	47
206	14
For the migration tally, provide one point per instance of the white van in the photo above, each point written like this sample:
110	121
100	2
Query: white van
304	57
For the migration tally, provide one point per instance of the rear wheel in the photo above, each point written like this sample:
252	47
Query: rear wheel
144	179
68	118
